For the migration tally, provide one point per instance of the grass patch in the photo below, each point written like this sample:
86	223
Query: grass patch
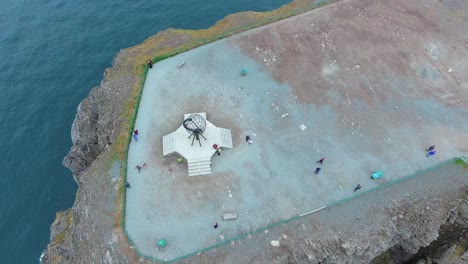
59	238
462	163
118	215
383	258
68	221
461	248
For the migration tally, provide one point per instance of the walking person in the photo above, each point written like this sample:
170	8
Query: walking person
248	139
138	167
431	153
359	186
317	170
215	225
218	150
135	131
135	135
321	160
430	148
150	64
127	185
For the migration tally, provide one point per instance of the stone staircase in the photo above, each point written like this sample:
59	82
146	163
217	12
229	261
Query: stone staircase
168	144
226	138
199	166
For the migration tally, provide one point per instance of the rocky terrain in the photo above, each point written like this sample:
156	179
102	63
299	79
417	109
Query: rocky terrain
425	227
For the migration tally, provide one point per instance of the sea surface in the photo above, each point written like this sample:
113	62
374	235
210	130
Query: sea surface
51	54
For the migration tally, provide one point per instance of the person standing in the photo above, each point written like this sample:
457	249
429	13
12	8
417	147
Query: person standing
430	148
359	186
321	160
135	131
218	150
215	225
150	64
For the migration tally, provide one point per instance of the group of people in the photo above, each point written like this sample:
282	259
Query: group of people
318	169
217	149
248	139
138	167
429	152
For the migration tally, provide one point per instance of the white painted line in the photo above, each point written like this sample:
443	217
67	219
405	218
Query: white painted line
312	211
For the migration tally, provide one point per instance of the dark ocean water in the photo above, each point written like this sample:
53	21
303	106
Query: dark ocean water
51	54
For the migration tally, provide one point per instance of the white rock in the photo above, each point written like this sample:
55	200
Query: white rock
275	243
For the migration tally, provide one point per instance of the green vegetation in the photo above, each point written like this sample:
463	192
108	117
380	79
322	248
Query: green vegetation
461	248
384	258
461	162
68	220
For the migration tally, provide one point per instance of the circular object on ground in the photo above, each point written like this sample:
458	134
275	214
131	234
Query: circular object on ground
195	123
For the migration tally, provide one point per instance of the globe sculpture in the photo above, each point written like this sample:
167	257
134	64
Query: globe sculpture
195	125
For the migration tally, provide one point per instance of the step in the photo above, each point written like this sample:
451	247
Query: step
198	163
199	174
200	171
168	144
199	167
199	160
226	138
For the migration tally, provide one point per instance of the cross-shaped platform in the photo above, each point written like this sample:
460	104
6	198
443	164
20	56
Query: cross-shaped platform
198	157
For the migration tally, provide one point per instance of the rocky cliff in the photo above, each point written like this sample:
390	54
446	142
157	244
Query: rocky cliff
426	228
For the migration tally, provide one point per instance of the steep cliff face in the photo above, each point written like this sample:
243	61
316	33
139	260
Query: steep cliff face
443	236
89	231
84	135
98	121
